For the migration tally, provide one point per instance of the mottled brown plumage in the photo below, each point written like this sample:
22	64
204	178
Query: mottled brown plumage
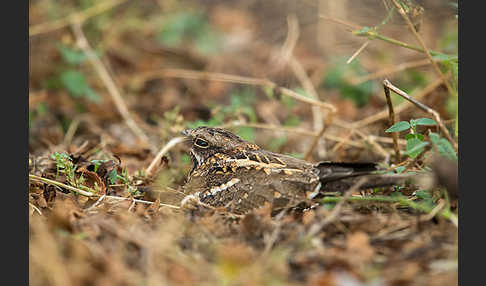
238	175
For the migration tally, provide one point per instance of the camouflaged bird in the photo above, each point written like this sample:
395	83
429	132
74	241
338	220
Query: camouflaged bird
238	175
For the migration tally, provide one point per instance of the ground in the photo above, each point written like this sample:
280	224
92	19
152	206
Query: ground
112	83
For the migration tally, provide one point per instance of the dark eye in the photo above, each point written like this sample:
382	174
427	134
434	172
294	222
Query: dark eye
201	143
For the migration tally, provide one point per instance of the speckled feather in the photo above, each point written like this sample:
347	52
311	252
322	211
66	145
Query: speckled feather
240	176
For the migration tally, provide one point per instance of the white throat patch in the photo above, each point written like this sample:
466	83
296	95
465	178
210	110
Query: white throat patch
199	159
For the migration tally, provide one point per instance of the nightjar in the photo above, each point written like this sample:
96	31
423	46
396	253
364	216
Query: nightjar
239	176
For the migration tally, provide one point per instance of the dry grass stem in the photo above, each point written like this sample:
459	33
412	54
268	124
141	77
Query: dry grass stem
422	44
372	141
79	17
35	208
315	228
109	83
401	107
162	152
202	75
391	122
388	71
317	138
301	74
363	46
72	130
425	108
350	25
96	203
373	34
93	194
274	236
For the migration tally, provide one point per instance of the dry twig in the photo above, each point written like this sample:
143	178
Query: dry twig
92	193
422	44
363	46
391	121
425	108
401	107
75	17
109	82
162	152
315	228
202	75
388	71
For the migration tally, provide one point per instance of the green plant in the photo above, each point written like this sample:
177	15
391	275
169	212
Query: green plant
415	141
241	105
65	165
337	78
189	27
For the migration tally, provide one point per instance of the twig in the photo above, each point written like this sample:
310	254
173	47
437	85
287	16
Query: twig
304	79
35	208
350	25
422	44
165	149
80	16
345	139
141	201
317	138
92	192
292	130
108	81
401	107
372	141
363	46
425	108
388	71
72	130
434	211
373	34
309	133
96	203
274	236
202	75
445	213
336	210
391	122
88	194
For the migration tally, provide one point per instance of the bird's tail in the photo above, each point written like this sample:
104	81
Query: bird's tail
340	176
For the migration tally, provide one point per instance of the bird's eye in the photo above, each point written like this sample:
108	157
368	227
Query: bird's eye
201	143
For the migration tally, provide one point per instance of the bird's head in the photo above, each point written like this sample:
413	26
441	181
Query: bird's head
205	142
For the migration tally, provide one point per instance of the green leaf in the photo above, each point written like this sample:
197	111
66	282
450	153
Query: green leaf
410	136
444	57
189	27
71	56
425	121
423	194
113	176
400	169
443	146
415	147
92	95
338	78
397	127
75	82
